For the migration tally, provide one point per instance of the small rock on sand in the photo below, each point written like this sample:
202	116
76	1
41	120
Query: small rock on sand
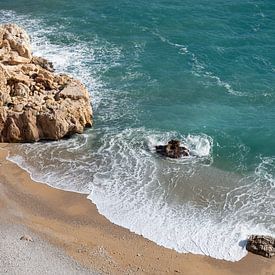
26	238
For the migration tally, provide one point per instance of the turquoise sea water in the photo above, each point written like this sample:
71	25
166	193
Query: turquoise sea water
201	71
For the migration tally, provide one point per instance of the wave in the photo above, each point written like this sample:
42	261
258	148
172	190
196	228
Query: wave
172	202
198	68
184	204
182	48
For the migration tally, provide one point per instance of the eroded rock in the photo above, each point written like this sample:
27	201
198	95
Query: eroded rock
172	149
261	245
14	45
36	103
44	63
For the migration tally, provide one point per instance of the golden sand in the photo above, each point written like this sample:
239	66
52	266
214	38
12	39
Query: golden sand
71	222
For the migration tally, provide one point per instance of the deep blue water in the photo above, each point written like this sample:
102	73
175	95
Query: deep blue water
202	71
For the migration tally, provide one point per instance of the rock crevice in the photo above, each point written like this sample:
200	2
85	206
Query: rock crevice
35	103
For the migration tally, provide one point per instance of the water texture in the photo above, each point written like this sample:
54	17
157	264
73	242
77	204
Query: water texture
200	71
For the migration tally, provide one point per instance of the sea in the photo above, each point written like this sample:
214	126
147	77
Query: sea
199	71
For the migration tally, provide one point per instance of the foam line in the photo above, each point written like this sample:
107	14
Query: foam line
183	204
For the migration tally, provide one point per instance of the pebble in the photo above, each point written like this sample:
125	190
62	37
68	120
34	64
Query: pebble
26	238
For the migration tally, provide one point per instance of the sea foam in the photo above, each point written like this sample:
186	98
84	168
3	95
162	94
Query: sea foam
184	204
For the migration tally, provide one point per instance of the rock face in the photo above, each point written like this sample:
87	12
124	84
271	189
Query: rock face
35	103
261	245
172	149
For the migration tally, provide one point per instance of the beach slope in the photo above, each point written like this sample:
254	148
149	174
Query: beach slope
69	225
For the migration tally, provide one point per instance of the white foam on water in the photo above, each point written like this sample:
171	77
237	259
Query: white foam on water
135	189
55	163
138	191
182	48
83	60
198	68
253	199
201	70
184	204
200	145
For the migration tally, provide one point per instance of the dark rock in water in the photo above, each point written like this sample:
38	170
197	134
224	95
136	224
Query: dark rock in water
172	149
261	245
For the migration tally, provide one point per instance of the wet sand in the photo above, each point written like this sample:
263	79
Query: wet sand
71	223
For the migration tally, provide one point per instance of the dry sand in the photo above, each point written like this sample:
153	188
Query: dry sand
70	234
37	257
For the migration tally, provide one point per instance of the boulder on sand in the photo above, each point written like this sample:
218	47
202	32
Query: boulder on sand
172	149
261	245
35	103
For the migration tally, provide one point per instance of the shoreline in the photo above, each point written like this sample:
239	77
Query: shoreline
71	222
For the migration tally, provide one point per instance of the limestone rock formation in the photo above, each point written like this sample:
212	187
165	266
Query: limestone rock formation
35	103
172	149
261	245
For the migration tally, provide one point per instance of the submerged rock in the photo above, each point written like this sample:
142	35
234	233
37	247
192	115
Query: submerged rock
261	245
172	149
35	103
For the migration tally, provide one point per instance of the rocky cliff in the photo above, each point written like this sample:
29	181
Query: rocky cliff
36	103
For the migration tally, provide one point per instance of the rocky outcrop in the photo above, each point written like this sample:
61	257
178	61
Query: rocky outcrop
261	245
36	103
14	45
172	149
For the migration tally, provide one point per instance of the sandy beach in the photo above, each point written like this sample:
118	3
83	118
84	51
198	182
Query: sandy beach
71	237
